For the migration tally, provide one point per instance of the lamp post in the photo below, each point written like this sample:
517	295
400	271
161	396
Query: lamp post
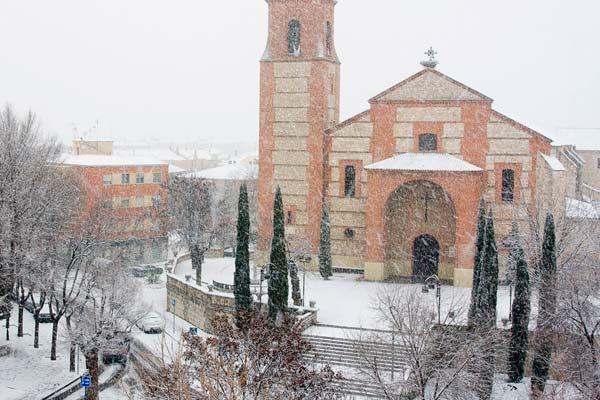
305	260
433	282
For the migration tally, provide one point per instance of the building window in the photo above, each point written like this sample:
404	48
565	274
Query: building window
139	201
157	177
107	203
289	218
139	177
508	185
156	201
599	163
124	203
428	142
125	179
328	39
156	252
294	37
107	179
350	181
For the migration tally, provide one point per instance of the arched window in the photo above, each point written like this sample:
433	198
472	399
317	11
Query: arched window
328	39
350	181
290	217
508	185
294	37
428	142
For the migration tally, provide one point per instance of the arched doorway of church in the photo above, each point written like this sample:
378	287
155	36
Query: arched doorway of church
426	257
420	232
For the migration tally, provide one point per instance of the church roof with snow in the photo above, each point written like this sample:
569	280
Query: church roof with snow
429	85
424	162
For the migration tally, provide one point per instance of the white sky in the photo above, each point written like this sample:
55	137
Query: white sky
184	69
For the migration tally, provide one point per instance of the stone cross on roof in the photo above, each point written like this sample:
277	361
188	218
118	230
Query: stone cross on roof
432	62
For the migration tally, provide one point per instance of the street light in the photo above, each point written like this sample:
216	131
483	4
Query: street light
305	260
433	282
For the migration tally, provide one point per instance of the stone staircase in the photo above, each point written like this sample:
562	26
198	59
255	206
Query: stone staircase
349	356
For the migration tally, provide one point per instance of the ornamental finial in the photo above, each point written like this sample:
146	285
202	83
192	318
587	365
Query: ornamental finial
432	62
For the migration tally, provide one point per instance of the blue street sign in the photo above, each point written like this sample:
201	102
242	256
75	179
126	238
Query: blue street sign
193	331
173	302
85	381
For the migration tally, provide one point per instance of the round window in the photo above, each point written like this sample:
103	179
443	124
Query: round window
349	233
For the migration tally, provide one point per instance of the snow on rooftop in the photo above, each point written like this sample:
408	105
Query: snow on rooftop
423	162
553	163
163	154
580	209
228	172
108	161
582	139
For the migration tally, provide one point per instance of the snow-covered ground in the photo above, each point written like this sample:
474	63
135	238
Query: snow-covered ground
347	300
28	373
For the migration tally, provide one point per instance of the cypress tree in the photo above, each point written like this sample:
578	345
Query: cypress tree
521	306
325	244
241	279
547	309
488	284
278	268
487	298
481	222
513	242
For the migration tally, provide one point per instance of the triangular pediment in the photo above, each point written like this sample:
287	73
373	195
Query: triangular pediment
429	85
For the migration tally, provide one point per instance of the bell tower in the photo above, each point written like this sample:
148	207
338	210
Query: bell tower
299	101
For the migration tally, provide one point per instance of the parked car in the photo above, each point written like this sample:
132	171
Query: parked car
143	271
44	315
152	323
118	351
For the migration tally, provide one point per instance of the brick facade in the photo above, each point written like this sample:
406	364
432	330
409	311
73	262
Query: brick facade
306	156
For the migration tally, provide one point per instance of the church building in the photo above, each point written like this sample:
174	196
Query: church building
403	179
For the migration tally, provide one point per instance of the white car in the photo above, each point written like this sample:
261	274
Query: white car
152	323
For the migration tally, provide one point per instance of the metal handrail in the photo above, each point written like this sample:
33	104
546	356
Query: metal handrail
48	397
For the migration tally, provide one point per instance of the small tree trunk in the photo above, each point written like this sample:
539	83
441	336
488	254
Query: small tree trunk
91	363
36	330
596	368
54	337
8	328
197	263
20	321
71	347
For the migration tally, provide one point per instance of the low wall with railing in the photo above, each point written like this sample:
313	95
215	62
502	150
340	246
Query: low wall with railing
199	305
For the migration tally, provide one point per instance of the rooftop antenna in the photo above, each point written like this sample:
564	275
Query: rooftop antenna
431	62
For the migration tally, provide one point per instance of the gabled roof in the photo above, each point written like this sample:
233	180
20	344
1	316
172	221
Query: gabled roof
429	85
519	125
424	162
347	122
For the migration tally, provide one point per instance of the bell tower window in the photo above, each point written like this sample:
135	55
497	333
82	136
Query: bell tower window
350	181
508	185
328	39
428	143
294	37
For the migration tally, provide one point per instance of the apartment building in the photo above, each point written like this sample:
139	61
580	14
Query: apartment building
134	189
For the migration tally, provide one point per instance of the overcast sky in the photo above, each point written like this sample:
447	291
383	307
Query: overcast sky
182	69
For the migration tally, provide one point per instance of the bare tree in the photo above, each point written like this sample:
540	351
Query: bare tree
25	180
577	320
73	262
444	360
191	215
105	316
263	362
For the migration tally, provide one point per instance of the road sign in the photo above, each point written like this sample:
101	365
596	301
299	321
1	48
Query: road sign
173	302
85	381
193	331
